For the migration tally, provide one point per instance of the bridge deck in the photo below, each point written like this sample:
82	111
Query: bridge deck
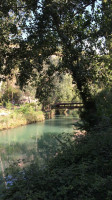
68	105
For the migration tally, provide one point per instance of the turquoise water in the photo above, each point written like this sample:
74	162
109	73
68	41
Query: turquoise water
34	142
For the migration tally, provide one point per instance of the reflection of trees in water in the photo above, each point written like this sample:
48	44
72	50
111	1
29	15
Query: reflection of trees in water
48	147
2	174
15	156
21	157
38	150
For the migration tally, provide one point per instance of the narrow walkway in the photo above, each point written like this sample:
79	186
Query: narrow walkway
67	105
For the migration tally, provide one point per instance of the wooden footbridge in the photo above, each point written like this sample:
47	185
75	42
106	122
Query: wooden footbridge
66	105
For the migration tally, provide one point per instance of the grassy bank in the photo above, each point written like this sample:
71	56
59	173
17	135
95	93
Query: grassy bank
18	117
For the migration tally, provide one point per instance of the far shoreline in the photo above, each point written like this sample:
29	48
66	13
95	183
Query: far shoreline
13	120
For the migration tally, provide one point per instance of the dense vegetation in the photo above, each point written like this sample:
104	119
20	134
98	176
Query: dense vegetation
81	170
18	116
79	35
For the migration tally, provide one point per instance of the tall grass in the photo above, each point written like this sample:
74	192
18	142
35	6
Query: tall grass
20	116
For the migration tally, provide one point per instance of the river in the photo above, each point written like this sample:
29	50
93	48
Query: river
34	142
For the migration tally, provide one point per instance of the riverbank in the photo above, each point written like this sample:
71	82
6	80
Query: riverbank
14	118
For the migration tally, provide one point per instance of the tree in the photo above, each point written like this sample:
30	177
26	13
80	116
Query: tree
58	88
75	27
69	25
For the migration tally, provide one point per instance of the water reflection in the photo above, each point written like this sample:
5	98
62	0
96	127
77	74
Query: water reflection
35	142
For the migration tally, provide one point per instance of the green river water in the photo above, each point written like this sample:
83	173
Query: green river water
34	142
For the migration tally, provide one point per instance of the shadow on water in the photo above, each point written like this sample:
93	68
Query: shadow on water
35	143
21	155
39	153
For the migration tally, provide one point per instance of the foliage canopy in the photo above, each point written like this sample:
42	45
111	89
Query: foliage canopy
78	31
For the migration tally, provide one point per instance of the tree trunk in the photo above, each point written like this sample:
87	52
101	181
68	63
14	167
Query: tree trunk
89	115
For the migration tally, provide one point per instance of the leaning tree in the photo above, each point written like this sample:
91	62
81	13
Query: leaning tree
69	28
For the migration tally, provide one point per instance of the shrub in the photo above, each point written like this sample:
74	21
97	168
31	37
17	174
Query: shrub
12	94
104	106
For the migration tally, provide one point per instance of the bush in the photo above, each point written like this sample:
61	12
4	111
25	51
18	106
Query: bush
25	109
12	94
104	106
8	105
